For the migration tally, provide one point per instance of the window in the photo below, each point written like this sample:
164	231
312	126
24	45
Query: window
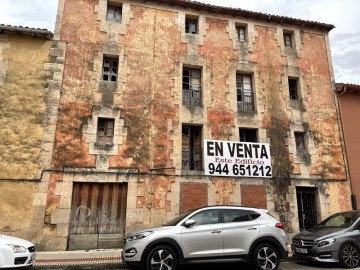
206	217
248	135
191	87
191	25
110	69
293	89
241	33
288	40
245	95
105	131
234	215
191	148
300	143
114	14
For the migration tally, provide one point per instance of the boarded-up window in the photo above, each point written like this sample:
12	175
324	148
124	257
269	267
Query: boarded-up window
105	131
191	148
110	69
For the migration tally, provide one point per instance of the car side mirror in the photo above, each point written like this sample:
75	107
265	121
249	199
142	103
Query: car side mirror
189	223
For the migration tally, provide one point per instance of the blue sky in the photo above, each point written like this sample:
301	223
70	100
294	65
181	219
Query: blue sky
344	39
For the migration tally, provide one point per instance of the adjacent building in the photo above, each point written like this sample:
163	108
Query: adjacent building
134	90
349	101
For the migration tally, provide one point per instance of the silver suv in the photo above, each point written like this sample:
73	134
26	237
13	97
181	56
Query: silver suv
213	232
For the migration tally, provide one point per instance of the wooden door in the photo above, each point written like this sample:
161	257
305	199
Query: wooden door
98	213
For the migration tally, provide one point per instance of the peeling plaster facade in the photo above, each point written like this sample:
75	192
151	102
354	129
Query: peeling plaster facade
145	104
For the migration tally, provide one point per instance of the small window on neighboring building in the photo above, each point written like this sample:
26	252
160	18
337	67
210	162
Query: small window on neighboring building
244	93
105	131
300	143
241	32
248	135
114	14
110	69
191	148
191	25
192	87
288	40
293	89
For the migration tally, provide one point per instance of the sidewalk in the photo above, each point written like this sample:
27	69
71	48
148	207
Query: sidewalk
106	257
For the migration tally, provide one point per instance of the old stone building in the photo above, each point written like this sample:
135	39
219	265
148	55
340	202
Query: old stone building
24	140
135	89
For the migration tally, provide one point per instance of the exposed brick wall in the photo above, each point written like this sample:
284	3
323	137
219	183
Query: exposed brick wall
254	196
193	195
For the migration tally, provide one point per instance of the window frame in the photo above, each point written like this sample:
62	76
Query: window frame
116	10
245	98
288	39
110	66
239	29
255	130
293	87
194	150
103	123
300	150
192	92
189	22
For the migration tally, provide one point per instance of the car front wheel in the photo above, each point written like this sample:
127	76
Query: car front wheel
349	256
161	258
266	257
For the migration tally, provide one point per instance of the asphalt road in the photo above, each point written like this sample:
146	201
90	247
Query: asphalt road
284	265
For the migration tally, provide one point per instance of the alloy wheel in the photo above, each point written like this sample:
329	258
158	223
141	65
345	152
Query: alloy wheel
350	256
162	259
267	258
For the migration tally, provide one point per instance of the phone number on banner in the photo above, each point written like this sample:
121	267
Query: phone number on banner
251	170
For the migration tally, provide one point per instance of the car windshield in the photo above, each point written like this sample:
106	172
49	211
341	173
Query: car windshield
177	219
340	220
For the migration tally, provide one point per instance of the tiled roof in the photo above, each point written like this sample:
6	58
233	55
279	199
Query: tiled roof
342	88
237	12
37	32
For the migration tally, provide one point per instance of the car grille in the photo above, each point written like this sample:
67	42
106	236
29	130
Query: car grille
31	249
303	243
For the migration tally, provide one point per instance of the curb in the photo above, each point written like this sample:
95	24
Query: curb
82	266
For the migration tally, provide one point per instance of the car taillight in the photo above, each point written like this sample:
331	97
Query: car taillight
280	225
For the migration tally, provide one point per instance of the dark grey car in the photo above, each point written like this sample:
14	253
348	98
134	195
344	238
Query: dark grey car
336	239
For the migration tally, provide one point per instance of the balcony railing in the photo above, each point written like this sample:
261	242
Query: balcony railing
192	96
245	102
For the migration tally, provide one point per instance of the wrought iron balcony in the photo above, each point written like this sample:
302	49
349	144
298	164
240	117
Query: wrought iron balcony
245	102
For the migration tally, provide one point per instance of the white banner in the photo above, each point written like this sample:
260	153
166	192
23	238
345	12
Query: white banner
239	159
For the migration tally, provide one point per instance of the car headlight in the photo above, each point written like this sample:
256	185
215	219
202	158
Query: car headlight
326	242
17	248
138	236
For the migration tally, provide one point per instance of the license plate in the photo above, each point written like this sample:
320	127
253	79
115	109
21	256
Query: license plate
301	250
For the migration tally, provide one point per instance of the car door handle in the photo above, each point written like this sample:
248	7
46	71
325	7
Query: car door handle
251	228
216	231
